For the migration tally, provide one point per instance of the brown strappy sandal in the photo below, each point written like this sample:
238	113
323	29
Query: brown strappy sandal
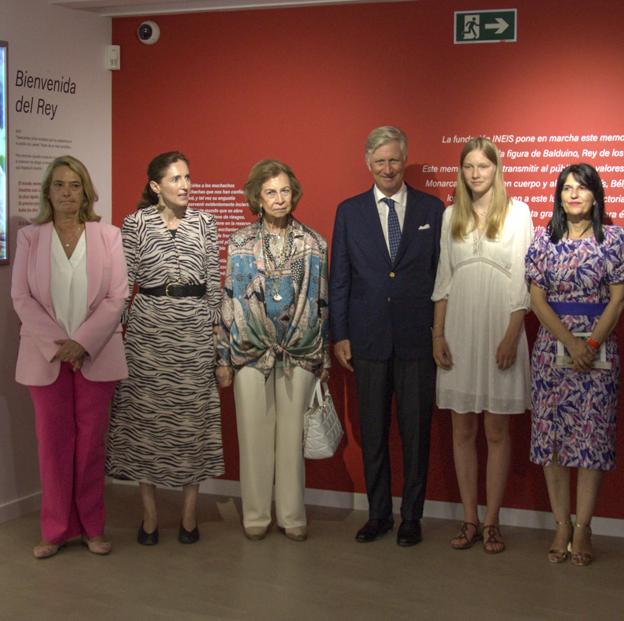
492	539
461	541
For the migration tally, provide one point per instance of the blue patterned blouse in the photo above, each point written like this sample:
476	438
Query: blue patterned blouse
275	315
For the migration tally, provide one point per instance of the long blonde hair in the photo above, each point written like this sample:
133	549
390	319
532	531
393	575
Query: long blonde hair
464	219
89	195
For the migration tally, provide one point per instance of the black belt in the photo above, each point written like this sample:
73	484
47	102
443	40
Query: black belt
175	291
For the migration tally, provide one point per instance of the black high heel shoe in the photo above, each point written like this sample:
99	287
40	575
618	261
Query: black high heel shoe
188	536
147	539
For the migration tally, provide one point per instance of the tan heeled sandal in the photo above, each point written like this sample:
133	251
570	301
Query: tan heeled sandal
582	559
556	555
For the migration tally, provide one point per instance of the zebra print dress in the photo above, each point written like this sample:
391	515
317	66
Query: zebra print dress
165	425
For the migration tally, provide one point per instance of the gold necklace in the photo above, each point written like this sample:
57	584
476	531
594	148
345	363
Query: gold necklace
75	237
274	264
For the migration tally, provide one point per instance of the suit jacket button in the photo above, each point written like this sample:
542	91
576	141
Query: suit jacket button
392	274
389	299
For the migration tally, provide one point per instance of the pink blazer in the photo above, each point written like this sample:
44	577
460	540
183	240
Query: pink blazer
107	290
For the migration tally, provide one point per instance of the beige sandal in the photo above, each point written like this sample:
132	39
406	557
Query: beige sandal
98	545
45	550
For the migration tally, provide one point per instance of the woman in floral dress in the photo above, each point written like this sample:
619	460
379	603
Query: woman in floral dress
576	273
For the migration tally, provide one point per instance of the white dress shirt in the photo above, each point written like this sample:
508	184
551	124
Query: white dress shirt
68	283
400	201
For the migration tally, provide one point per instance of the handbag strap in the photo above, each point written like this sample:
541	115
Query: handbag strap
326	392
317	394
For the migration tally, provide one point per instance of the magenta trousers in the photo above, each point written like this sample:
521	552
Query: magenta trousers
71	419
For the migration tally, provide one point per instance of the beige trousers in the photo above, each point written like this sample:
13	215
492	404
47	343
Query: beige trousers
269	418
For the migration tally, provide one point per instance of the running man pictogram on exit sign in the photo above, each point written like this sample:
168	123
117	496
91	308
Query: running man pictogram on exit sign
486	26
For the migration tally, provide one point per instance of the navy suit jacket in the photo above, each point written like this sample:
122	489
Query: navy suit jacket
380	306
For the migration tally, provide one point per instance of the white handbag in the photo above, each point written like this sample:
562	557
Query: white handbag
322	430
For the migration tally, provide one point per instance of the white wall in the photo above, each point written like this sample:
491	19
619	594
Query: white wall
50	42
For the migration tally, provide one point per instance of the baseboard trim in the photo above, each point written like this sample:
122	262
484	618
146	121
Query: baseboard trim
19	506
350	500
433	509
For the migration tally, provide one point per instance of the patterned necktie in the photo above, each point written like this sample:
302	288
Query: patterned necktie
394	228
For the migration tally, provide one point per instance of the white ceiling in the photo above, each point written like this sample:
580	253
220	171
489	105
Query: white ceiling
121	8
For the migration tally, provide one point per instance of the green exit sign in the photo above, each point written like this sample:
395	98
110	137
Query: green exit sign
486	26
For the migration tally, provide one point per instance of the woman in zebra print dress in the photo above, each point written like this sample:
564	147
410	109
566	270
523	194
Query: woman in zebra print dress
165	424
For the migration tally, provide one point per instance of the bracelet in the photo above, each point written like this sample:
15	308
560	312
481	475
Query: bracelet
437	336
593	343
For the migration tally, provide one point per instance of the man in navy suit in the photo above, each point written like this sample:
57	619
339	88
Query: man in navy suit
384	257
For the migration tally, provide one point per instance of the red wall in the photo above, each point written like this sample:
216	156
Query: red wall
306	85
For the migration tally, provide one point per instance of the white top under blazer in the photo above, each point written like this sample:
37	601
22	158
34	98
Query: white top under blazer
68	283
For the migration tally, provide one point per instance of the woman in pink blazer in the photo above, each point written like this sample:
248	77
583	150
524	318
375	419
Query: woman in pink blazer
69	288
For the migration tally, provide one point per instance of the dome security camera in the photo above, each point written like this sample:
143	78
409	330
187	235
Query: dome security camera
148	32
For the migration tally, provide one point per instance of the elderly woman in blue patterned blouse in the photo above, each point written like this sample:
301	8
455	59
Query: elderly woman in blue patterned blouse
273	342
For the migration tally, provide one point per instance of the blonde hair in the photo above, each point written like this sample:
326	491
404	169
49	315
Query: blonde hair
464	219
89	195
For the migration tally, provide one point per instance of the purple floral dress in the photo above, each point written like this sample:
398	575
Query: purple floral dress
574	412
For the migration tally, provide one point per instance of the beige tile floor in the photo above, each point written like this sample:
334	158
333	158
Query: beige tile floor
225	576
